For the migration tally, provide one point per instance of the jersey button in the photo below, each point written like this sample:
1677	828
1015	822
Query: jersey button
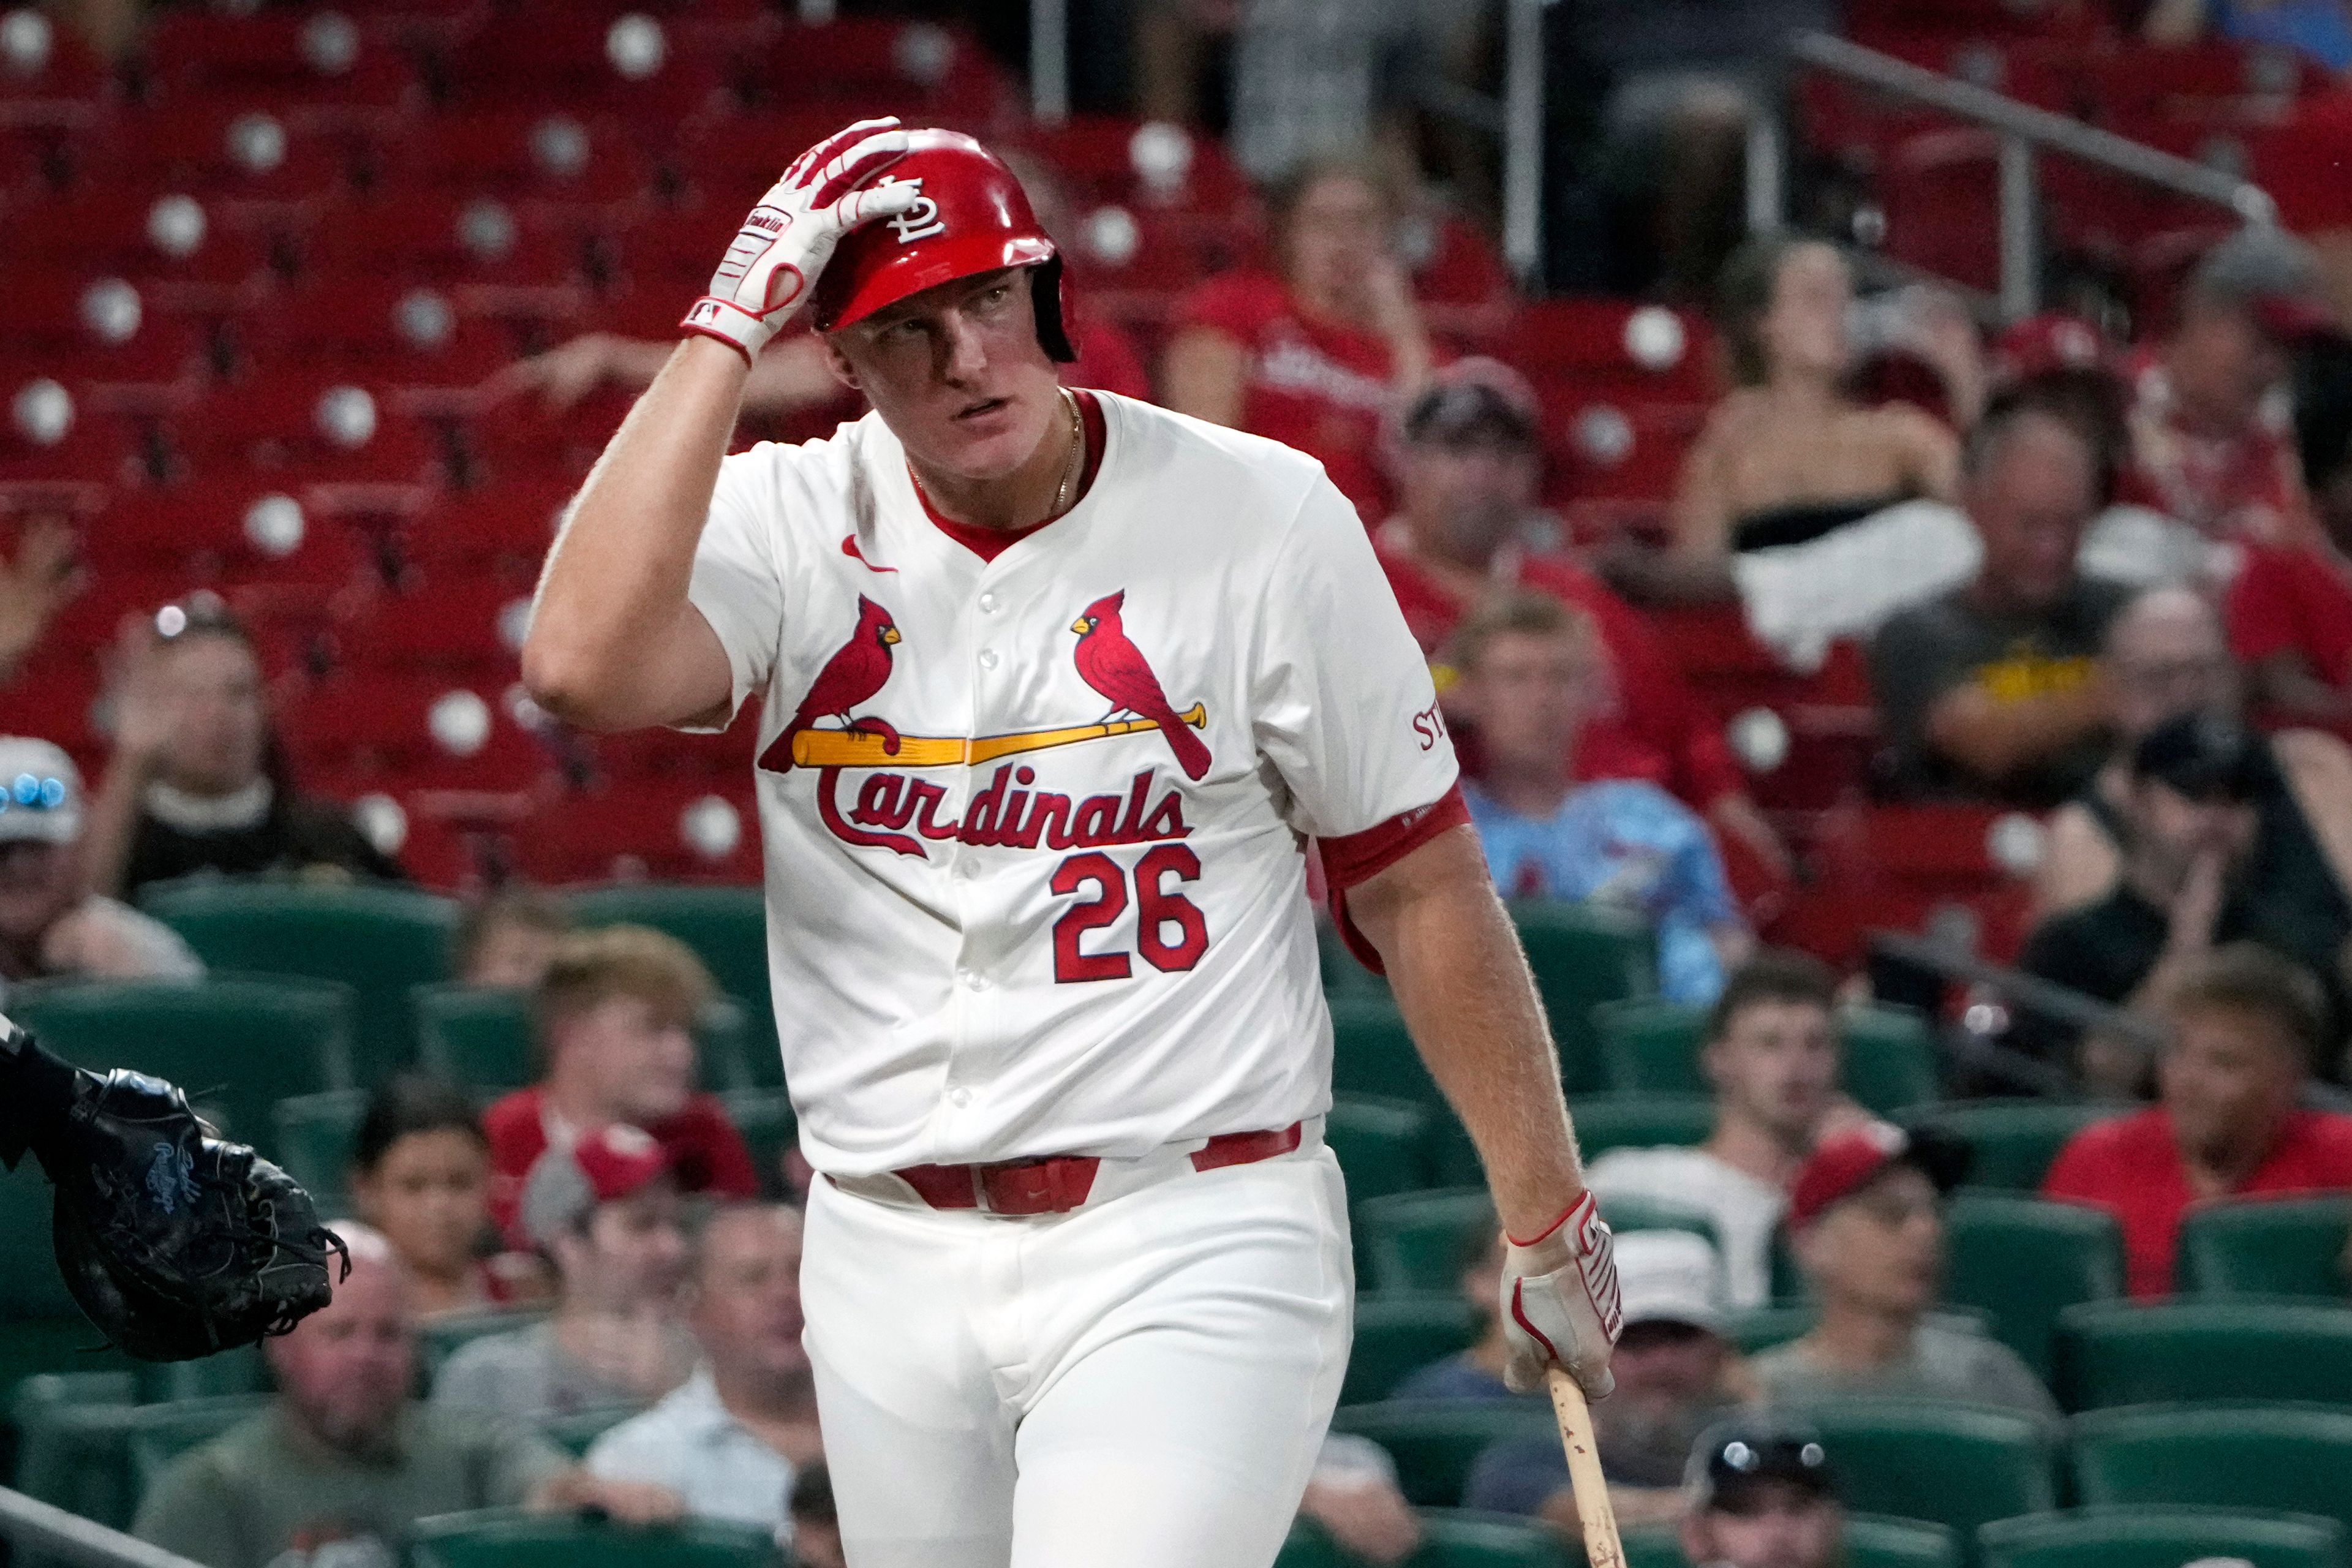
988	658
988	603
972	980
959	1097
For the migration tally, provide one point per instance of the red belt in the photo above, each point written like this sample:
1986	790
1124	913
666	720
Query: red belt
1060	1185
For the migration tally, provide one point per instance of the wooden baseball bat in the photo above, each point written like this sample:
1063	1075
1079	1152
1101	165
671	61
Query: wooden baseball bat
863	749
1603	1549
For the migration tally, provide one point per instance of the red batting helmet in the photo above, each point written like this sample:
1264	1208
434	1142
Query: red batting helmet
971	217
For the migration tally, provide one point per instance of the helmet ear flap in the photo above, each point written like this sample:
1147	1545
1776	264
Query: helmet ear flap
1049	298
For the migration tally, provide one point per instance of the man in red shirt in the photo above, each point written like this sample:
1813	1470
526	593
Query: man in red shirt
1468	464
2291	607
615	1016
2245	1025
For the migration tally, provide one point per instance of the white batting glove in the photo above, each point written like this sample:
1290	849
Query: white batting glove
1560	1304
784	244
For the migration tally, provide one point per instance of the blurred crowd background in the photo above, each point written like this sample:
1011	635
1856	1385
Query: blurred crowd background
1873	482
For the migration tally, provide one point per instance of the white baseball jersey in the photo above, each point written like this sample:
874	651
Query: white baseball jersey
1033	823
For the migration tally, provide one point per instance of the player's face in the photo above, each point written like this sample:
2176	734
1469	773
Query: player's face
957	373
2226	1077
347	1368
430	1196
1781	1526
1530	693
1882	1249
1777	1064
747	1292
632	1057
217	743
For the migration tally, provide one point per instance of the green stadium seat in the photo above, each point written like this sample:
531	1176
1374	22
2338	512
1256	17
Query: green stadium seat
1458	1538
1870	1543
63	1450
1383	1144
1956	1465
1626	1212
2296	1457
575	1430
221	1375
1435	1442
1761	1328
2266	1246
1416	1241
236	1044
1606	1122
31	1288
2024	1262
2153	1537
380	941
1584	957
507	1538
728	928
2128	1353
315	1134
1397	1334
2010	1142
482	1039
441	1338
1651	1047
1372	1053
764	1117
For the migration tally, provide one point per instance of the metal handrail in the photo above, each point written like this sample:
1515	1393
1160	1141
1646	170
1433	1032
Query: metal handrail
28	1523
2025	131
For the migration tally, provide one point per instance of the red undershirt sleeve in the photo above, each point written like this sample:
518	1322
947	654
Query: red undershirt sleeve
1359	857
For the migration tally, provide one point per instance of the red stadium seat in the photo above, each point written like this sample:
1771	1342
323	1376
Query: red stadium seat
387	328
220	151
55	696
470	624
559	154
50	433
505	527
379	727
48	76
137	231
317	62
1611	451
924	73
570	58
641	830
1094	158
522	437
302	428
95	330
444	238
1617	348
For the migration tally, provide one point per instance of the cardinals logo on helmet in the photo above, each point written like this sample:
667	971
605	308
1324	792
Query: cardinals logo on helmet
1109	661
917	222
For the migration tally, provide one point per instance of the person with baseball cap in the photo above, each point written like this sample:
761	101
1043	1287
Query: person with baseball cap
604	1210
2204	449
1677	1373
2222	844
50	924
1865	1221
1761	1493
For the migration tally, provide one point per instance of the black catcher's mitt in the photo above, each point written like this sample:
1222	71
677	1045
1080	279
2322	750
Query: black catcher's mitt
177	1244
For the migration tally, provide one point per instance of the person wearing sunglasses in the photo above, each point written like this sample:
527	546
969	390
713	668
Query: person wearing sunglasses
52	925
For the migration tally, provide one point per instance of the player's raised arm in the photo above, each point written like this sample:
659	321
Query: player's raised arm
613	643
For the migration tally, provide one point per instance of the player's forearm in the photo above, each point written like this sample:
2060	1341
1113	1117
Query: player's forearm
1462	982
615	580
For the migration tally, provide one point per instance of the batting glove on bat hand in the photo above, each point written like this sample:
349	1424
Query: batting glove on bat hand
174	1244
1560	1304
773	264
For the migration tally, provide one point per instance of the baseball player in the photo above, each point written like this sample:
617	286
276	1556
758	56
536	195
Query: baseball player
1056	685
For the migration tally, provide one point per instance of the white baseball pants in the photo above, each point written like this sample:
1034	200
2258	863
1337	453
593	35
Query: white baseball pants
1142	1382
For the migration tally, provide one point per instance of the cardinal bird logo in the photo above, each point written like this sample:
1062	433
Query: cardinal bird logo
1116	667
851	676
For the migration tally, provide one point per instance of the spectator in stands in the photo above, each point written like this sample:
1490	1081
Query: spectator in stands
1760	1494
2204	446
343	1460
1787	457
1675	1374
421	1175
2166	656
197	781
1771	1056
615	1015
2223	845
1865	1221
1352	1493
2319	30
1319	356
604	1210
1468	462
2290	606
505	940
49	924
1530	671
33	587
816	1527
2245	1026
732	1439
793	375
1996	691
